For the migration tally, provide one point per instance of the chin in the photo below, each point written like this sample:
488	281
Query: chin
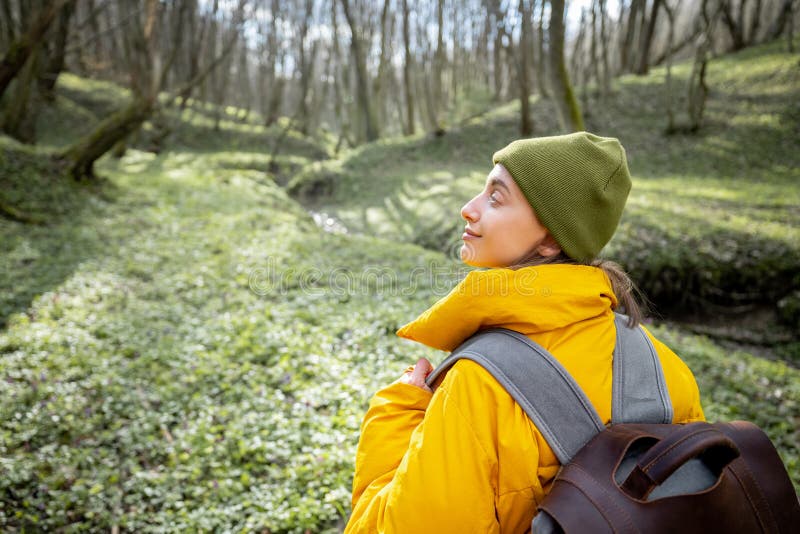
472	262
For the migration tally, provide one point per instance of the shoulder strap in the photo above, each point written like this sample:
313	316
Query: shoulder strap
540	385
545	390
638	391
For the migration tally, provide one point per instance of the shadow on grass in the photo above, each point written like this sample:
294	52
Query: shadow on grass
38	257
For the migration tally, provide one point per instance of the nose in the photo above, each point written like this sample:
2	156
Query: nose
470	212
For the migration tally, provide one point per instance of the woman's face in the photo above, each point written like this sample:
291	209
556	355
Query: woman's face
502	228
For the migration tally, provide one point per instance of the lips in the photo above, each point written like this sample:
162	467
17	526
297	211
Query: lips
469	233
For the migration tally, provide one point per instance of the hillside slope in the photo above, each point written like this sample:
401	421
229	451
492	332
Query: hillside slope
712	224
185	350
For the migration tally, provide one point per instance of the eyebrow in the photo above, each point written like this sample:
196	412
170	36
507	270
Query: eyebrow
500	183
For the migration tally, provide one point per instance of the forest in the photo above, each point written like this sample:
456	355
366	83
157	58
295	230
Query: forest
215	215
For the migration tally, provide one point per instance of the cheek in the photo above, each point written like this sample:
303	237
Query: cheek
522	234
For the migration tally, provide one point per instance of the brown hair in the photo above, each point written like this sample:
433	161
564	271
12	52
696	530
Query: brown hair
630	299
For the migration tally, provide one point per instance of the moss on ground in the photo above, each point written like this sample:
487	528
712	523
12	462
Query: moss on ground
712	221
185	350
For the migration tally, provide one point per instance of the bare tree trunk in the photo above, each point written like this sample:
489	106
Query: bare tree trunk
94	25
735	26
754	23
482	52
7	25
784	16
687	40
359	56
198	41
627	52
497	49
568	108
275	86
698	90
306	68
19	50
620	35
542	62
424	88
380	81
339	72
593	60
668	79
407	68
455	72
244	83
523	67
438	67
647	39
17	120
606	84
55	63
580	67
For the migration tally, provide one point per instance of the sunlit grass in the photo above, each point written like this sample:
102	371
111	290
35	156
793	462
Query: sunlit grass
180	350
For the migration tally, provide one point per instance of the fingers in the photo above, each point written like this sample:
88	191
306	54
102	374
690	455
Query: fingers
421	370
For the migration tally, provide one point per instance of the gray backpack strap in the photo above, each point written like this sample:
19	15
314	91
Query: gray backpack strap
540	385
550	396
638	392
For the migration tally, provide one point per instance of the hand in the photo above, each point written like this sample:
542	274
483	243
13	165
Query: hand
416	375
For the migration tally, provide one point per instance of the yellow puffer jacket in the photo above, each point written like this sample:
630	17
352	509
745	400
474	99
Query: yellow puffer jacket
466	458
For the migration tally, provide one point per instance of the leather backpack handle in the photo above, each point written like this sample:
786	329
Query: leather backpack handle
658	463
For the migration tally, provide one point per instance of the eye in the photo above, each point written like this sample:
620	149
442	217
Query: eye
494	198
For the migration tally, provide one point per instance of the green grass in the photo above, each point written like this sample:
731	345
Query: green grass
183	349
153	387
206	362
712	219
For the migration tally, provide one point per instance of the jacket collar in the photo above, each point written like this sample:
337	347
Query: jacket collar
529	300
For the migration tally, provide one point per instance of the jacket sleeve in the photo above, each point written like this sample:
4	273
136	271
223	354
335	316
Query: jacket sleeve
421	470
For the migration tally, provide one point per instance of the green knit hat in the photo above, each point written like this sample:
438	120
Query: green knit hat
577	184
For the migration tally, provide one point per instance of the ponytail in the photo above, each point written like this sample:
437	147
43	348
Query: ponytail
630	299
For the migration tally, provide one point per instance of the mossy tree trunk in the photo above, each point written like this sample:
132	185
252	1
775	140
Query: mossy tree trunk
19	118
19	51
80	157
568	108
147	80
57	53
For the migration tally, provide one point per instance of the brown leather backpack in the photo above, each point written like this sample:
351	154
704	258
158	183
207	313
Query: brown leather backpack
642	474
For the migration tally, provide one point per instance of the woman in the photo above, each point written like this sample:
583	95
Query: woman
465	457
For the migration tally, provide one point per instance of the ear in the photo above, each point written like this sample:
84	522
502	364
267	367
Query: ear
548	247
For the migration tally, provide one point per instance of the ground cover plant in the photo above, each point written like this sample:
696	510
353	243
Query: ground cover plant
184	349
712	221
